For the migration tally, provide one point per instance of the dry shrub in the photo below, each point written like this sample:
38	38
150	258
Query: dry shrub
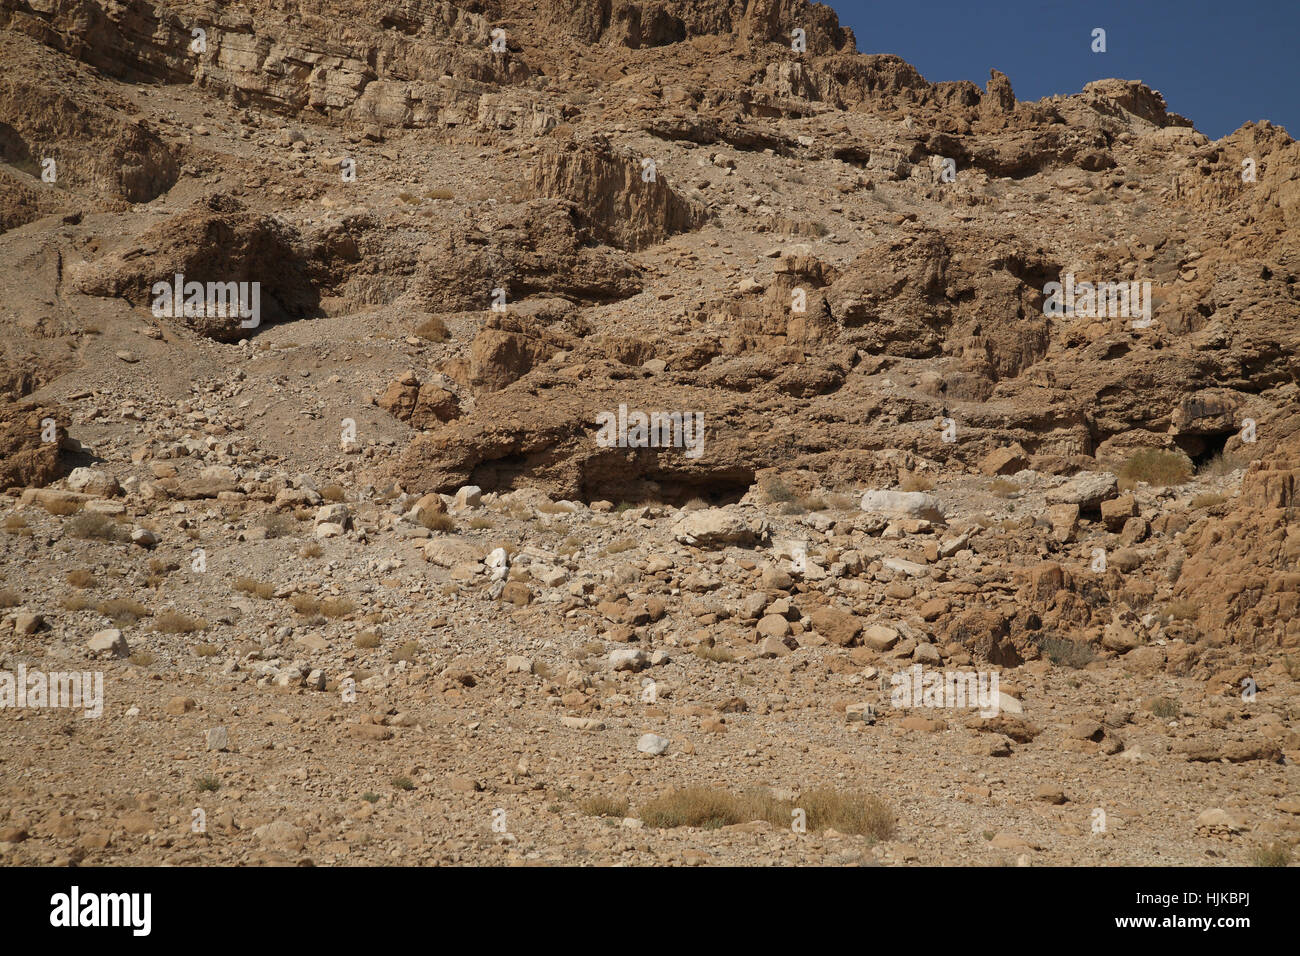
10	598
551	508
714	653
123	610
1165	708
333	494
846	812
261	589
311	549
1182	610
1208	500
604	807
80	578
704	807
96	527
1003	488
305	604
175	622
61	506
278	525
1156	467
1222	465
1271	854
337	606
776	490
618	547
433	329
437	521
77	602
367	640
407	651
910	481
1064	652
481	524
16	524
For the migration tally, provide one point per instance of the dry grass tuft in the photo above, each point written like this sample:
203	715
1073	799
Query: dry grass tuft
709	808
1222	465
1156	467
1271	854
337	606
333	494
714	653
1003	488
776	490
261	589
278	525
910	481
305	604
433	329
619	546
437	521
175	622
80	578
605	807
96	527
123	611
1064	652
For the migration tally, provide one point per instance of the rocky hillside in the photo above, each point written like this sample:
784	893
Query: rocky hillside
397	526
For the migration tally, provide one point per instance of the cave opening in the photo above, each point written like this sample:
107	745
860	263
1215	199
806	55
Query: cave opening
677	490
1202	449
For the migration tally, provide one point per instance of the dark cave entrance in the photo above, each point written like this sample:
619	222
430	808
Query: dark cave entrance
1202	449
714	490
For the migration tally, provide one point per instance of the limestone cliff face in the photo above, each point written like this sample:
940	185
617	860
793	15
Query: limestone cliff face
670	206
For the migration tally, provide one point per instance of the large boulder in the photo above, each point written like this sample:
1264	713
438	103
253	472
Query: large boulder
713	528
903	504
1088	490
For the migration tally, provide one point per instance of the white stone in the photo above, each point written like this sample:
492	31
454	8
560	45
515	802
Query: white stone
652	744
94	481
628	659
903	504
109	641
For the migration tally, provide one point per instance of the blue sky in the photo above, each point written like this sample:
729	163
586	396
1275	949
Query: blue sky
1219	64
